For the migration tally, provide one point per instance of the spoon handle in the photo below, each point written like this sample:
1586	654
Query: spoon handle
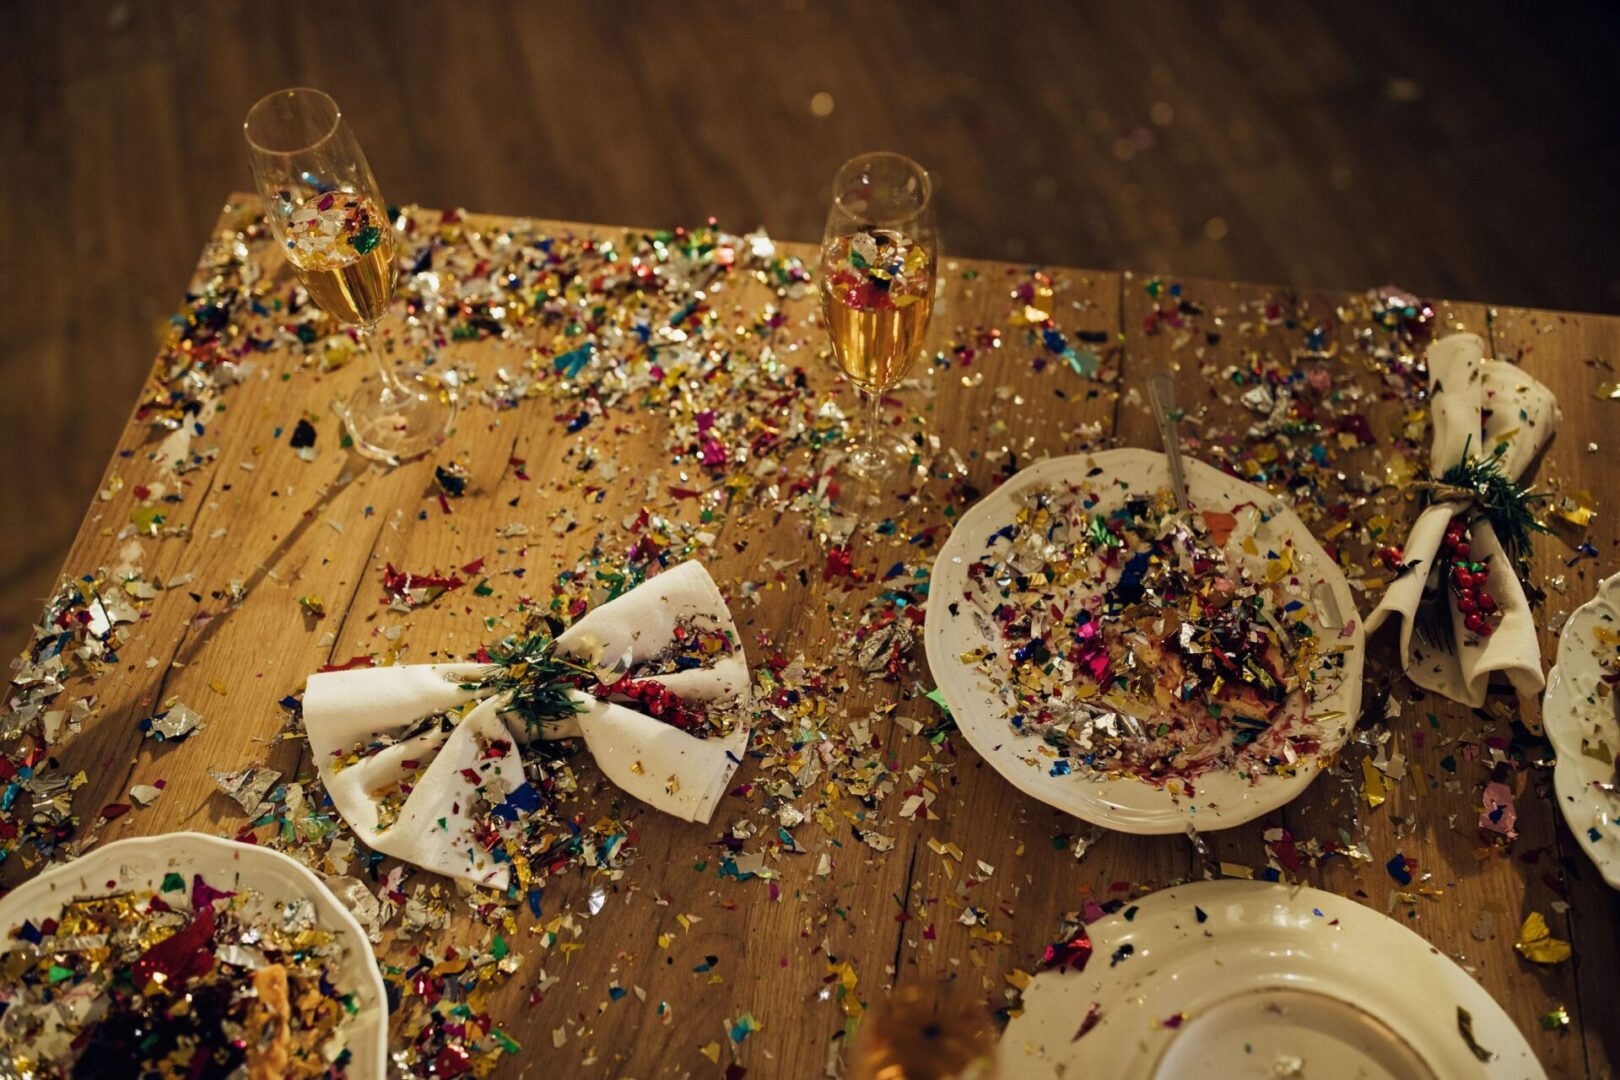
1162	392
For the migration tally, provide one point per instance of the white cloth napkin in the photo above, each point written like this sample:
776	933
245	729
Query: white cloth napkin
1475	405
347	712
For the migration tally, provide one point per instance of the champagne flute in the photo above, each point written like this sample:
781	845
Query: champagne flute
325	209
878	259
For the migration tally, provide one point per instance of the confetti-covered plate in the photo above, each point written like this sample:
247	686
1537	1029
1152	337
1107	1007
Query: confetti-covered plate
1585	728
1221	798
141	865
1234	979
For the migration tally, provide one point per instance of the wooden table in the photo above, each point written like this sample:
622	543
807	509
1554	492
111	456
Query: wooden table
243	538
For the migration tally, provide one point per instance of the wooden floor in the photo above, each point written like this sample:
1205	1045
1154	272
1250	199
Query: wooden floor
1465	151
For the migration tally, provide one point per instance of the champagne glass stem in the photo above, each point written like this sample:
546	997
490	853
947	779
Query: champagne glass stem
873	400
365	337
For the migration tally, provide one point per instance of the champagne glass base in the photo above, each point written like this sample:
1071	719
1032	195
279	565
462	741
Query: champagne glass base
871	462
392	424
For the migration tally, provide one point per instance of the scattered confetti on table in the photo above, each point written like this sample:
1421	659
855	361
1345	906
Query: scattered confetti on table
633	399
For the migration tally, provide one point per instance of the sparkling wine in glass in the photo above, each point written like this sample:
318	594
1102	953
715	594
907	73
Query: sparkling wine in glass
878	259
324	207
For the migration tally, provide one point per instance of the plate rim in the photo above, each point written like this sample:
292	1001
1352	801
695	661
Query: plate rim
43	885
1218	899
1560	716
953	683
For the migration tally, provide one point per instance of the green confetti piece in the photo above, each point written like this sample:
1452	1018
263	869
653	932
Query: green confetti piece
173	882
366	240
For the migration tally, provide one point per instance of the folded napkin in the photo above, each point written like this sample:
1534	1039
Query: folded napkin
423	763
1478	408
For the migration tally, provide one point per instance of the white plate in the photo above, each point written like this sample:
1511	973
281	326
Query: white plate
1223	799
141	864
1572	711
1270	975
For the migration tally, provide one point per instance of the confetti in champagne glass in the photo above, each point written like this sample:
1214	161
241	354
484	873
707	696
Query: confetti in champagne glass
326	211
878	258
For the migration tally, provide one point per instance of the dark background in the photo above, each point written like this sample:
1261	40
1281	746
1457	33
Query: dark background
1460	150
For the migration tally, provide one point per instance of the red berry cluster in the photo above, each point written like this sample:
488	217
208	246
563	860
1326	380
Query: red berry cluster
658	702
1474	602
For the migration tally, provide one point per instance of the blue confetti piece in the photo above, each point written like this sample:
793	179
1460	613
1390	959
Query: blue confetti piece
525	799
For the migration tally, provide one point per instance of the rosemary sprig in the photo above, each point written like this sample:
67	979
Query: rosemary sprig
1505	504
538	679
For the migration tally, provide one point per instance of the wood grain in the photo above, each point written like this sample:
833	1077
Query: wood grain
281	527
1467	896
1576	354
1313	146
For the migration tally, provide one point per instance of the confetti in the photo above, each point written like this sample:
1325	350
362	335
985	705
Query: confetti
1499	814
1070	953
175	979
248	787
1465	1027
1537	944
174	724
635	335
415	590
1132	644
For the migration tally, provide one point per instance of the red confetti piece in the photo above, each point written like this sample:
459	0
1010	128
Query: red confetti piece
350	664
204	894
1357	426
1093	1016
181	956
414	590
1073	953
840	563
1286	852
452	1060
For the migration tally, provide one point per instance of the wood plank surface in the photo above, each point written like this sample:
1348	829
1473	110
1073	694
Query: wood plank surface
868	891
1579	356
1313	146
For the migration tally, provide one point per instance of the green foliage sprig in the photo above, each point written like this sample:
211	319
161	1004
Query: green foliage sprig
539	680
